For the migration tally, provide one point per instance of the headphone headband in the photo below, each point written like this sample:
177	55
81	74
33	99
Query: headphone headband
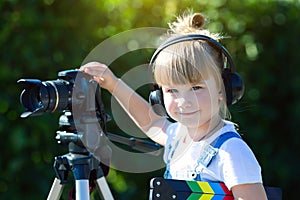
190	37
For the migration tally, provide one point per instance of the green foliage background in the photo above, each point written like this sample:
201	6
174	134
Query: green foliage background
40	38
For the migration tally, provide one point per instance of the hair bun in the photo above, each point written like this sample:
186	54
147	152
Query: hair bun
197	21
189	23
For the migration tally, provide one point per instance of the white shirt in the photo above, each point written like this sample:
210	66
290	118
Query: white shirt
233	164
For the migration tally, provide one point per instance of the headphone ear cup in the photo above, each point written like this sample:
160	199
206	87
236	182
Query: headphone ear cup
157	102
237	87
234	86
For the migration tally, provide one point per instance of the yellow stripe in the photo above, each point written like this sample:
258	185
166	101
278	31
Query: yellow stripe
206	197
206	188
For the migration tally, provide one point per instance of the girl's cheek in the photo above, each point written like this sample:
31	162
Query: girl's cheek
169	103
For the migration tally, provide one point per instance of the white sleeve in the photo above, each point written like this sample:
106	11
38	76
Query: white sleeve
238	163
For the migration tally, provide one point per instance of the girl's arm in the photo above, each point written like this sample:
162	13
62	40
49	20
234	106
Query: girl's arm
139	110
249	192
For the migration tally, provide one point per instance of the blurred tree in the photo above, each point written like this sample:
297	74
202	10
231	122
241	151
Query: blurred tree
40	38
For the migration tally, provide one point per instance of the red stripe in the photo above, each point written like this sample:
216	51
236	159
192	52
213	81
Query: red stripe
225	189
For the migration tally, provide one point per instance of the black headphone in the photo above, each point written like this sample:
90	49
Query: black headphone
233	83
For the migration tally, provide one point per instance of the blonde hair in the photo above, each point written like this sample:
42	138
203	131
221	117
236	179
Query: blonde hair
190	62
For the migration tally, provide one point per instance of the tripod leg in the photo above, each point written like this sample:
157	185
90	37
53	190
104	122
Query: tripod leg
56	190
82	189
104	189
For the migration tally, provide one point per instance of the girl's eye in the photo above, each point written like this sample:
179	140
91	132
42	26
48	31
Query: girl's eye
198	87
171	91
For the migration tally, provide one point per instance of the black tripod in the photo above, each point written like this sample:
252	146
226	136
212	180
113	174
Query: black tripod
79	160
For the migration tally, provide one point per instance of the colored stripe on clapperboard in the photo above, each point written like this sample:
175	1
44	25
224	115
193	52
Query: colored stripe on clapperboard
207	191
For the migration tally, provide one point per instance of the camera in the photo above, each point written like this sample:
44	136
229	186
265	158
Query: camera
78	96
70	89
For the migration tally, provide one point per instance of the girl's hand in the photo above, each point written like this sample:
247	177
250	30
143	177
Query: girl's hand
102	74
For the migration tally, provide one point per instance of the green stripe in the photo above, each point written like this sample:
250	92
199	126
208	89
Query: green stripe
194	196
194	186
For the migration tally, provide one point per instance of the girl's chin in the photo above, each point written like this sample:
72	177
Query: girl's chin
190	123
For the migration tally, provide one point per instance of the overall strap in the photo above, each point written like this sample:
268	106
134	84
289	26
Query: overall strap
217	143
212	149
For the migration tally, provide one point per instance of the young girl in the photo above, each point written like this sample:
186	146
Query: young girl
188	74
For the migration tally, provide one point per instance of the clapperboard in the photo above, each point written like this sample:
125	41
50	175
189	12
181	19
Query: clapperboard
169	189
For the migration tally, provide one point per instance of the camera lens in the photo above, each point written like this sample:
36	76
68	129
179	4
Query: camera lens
48	96
59	95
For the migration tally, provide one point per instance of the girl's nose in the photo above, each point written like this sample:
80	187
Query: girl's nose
183	103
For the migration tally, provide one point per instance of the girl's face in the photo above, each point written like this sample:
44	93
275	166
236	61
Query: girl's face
193	105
